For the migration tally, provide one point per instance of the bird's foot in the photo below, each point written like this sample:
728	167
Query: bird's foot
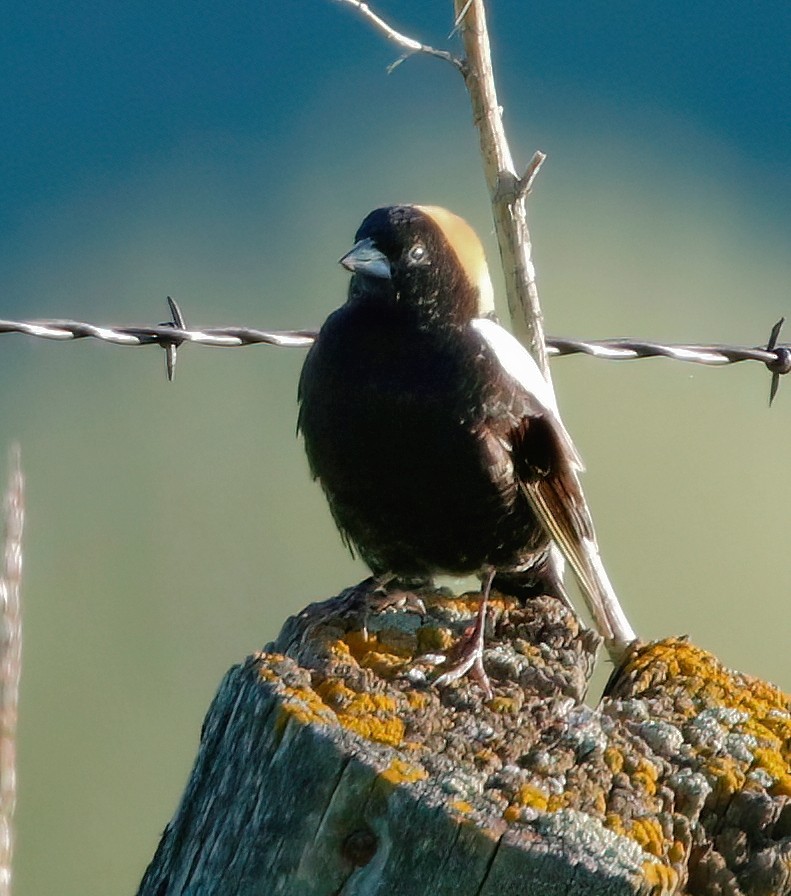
381	593
380	599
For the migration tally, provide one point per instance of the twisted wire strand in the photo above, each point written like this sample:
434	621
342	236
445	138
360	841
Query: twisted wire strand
619	349
163	335
174	333
630	349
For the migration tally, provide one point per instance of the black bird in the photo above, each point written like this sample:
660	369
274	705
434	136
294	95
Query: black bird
434	435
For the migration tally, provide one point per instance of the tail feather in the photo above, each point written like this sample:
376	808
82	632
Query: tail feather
560	505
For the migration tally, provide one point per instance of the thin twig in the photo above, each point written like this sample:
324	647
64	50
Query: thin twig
525	184
409	44
10	661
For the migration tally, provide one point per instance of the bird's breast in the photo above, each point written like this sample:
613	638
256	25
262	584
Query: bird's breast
397	427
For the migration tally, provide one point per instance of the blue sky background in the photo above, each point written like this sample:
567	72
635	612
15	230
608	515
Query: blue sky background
225	154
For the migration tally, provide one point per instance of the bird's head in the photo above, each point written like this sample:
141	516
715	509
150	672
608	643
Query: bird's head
424	258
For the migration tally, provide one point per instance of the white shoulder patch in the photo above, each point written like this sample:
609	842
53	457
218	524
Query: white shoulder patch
516	360
518	363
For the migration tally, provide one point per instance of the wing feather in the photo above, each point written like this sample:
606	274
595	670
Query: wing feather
547	466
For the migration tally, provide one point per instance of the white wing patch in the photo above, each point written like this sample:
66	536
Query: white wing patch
518	363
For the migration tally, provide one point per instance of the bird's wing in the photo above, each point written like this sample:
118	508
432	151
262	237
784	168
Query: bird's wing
518	363
547	465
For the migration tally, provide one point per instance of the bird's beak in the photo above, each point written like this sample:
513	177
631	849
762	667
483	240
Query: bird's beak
365	258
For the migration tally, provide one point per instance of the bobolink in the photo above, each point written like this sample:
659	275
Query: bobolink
434	435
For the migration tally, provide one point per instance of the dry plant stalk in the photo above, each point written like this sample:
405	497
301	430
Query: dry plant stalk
10	661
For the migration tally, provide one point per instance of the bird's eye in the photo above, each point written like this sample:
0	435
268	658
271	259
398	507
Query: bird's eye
417	253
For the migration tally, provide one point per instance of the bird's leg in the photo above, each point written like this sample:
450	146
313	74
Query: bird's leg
471	645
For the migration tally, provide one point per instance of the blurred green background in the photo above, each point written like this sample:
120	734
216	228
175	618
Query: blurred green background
225	154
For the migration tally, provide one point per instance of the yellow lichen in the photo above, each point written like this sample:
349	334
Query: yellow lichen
462	806
357	643
728	778
677	852
504	705
417	700
386	665
645	777
662	879
303	705
600	802
432	639
771	761
614	760
400	772
782	786
648	833
557	801
512	814
372	716
532	796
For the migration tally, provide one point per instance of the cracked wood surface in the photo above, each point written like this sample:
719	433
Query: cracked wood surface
329	764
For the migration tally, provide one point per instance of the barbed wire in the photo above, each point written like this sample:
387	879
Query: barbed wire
171	334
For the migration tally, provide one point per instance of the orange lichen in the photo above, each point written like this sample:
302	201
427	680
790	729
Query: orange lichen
384	731
615	823
530	651
648	833
431	638
335	693
485	756
600	803
662	879
532	796
614	759
357	643
339	648
645	777
557	801
373	716
386	665
677	852
462	806
400	772
782	787
771	761
303	705
675	660
503	705
512	814
727	777
417	700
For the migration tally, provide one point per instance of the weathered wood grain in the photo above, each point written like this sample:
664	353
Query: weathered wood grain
330	765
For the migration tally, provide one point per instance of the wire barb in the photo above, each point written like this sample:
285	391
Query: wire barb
782	362
174	333
171	348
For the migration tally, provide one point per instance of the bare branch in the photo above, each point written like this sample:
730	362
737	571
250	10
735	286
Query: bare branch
10	661
506	189
408	44
508	193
